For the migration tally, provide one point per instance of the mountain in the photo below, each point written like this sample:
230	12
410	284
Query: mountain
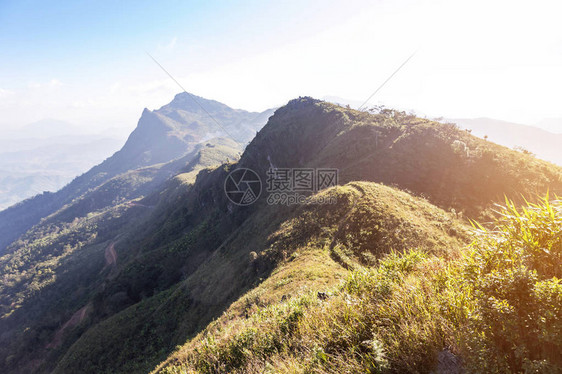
553	125
154	268
46	155
49	165
544	144
161	136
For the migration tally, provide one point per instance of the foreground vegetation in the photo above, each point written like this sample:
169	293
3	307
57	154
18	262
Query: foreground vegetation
497	308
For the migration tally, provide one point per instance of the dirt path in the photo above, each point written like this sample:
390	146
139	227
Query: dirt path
110	254
73	321
335	256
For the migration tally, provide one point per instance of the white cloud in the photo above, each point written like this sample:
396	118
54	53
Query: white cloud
5	93
55	83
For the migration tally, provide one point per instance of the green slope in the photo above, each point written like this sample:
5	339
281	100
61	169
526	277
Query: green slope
140	278
60	266
137	338
450	167
496	308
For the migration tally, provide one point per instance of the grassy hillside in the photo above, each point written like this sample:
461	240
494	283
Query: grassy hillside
497	308
450	167
308	238
61	265
110	284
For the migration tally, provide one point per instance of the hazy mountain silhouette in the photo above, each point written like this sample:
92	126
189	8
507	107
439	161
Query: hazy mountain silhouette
544	144
161	136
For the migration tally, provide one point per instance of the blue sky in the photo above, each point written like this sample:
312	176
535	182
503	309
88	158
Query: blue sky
85	61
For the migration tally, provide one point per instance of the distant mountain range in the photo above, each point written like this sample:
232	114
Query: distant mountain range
46	155
45	129
542	143
553	125
161	136
49	167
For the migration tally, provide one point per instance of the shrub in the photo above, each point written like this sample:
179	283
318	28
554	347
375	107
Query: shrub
513	274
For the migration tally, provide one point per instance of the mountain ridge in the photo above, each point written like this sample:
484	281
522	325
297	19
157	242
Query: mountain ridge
181	253
154	140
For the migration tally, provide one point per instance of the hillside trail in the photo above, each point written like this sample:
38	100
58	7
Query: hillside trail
342	221
110	255
76	318
356	197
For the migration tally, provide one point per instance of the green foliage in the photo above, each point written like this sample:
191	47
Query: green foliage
514	274
495	309
440	162
315	336
186	256
58	267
